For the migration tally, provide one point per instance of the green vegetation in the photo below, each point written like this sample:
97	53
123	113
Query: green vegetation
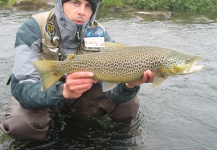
2	2
177	5
171	5
118	3
11	2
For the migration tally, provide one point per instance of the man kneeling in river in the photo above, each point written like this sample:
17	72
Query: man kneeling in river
52	36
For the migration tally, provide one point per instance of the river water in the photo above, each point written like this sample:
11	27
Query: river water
179	115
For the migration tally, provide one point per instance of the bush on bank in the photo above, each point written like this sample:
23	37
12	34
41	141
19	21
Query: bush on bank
171	5
7	2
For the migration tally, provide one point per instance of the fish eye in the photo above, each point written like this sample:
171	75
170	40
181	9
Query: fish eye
188	60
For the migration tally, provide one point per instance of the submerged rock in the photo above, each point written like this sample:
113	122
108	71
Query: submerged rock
31	4
49	2
154	14
125	8
201	19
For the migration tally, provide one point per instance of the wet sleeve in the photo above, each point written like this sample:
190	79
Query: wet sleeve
108	38
25	81
121	93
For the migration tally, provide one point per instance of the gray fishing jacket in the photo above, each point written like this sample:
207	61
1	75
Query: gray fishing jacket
25	81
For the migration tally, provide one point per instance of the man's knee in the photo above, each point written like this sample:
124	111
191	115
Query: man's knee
24	124
126	112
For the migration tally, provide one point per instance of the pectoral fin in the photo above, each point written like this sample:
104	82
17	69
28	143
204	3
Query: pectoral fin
158	80
106	86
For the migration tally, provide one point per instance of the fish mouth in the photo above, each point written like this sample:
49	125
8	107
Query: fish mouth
192	67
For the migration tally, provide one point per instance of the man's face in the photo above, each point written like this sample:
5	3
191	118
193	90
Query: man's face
78	11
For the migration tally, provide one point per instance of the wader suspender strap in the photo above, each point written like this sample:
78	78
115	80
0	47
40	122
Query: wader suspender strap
59	37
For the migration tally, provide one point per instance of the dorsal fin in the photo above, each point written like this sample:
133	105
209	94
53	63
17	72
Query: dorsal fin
71	56
113	46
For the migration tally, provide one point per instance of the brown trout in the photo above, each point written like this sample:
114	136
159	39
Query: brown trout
120	64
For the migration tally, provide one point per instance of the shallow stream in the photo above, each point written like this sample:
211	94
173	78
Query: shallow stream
179	115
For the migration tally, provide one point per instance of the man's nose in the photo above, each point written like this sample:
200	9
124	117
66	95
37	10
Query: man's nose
82	10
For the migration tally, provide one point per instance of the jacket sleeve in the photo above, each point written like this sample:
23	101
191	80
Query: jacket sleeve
25	82
120	93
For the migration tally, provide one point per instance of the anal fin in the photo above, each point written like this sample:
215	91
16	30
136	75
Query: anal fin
106	86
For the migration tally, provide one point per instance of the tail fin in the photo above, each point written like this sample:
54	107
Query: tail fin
46	69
